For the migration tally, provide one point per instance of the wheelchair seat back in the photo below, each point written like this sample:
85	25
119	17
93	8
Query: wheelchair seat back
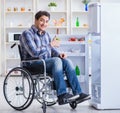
32	70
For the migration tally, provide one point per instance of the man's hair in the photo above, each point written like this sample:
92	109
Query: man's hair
41	13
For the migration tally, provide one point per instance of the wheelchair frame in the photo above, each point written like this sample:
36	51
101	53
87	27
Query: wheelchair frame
21	87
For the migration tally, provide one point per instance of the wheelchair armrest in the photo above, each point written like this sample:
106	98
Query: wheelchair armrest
30	59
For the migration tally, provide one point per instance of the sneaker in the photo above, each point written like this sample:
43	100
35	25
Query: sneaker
83	97
66	98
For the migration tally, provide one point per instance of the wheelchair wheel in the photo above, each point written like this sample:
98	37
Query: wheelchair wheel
73	104
18	88
45	93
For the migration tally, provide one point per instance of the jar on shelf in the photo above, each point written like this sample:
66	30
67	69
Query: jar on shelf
9	9
22	9
15	9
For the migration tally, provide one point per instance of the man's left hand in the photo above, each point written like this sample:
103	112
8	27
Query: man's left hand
63	55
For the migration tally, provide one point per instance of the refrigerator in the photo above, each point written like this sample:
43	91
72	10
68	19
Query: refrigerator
104	31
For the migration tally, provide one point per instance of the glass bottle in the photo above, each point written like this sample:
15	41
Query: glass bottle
77	70
77	22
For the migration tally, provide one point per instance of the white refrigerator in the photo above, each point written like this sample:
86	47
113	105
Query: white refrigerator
104	22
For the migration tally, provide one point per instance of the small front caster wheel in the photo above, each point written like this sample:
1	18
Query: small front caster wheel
73	104
44	107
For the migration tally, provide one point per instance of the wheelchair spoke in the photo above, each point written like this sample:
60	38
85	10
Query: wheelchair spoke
18	90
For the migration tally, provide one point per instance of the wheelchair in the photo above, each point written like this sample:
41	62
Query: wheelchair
21	87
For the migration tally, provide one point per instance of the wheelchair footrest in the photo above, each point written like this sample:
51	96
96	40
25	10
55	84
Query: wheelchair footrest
82	100
65	101
68	100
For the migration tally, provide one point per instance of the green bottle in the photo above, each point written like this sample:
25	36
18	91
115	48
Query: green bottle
77	70
77	22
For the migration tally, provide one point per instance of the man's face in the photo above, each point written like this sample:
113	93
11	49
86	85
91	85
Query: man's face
42	23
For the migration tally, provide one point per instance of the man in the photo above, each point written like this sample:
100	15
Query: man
36	43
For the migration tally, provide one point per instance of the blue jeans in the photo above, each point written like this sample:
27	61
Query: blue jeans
57	67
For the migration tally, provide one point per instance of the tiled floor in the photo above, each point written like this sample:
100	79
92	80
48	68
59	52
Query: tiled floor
35	107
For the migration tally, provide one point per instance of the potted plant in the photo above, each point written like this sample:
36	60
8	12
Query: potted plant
52	6
85	2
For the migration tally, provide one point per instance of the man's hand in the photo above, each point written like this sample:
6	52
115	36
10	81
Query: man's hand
63	55
55	42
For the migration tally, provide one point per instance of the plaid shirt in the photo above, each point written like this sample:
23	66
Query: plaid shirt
35	45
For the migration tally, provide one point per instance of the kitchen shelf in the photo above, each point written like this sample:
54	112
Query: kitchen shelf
15	22
17	27
82	15
75	54
80	12
13	58
15	12
72	42
58	12
80	27
54	27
